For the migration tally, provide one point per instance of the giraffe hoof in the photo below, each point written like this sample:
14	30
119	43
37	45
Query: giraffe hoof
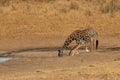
87	50
77	52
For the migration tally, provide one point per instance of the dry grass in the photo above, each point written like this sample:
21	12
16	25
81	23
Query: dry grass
56	18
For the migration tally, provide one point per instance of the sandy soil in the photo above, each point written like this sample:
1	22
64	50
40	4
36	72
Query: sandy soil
43	64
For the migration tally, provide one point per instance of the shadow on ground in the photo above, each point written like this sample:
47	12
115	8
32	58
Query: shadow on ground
113	49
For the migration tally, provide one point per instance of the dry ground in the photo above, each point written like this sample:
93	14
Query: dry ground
45	65
35	24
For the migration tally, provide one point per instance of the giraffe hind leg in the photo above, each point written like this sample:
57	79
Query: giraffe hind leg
91	46
87	50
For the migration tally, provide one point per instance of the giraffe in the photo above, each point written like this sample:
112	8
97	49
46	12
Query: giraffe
82	37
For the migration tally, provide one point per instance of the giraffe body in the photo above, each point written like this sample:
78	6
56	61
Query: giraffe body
82	37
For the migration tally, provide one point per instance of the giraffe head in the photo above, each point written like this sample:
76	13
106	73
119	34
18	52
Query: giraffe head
60	53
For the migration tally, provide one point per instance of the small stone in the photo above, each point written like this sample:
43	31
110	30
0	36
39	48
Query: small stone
91	65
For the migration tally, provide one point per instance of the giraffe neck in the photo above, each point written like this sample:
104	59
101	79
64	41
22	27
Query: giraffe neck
64	47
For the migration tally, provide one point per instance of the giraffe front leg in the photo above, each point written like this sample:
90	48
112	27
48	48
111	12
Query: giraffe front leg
77	52
74	50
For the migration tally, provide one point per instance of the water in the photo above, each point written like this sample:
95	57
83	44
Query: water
5	59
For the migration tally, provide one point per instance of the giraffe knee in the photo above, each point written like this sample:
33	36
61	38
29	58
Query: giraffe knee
72	53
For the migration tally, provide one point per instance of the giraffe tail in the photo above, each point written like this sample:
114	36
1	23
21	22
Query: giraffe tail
97	43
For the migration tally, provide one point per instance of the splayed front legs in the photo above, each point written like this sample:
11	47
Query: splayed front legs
74	50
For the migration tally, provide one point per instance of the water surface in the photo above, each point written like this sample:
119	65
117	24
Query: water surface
4	59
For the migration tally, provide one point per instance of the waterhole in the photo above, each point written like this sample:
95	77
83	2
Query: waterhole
4	59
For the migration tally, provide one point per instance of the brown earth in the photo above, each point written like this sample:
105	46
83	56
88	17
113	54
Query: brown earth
36	64
34	25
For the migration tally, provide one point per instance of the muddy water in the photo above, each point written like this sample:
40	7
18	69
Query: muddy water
4	59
